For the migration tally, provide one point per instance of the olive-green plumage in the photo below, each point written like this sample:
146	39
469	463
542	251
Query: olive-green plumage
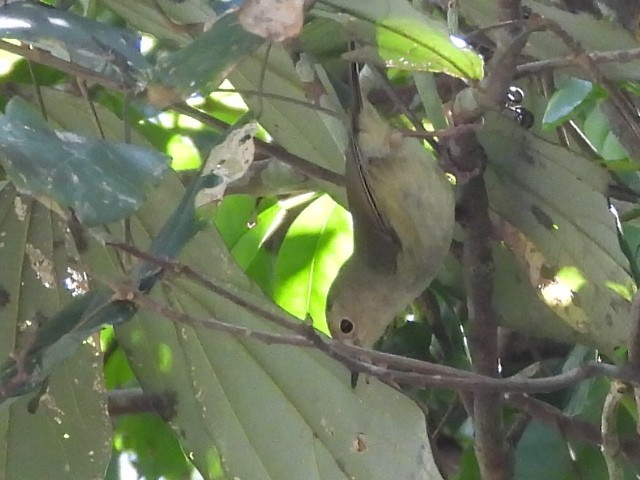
403	217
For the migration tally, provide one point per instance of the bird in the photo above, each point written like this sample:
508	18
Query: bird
402	205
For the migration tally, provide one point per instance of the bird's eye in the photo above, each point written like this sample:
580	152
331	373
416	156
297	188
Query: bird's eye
346	326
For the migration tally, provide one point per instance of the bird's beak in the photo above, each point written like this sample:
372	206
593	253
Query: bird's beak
354	379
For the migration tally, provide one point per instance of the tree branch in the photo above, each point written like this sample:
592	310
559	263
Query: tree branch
394	369
304	166
596	58
135	400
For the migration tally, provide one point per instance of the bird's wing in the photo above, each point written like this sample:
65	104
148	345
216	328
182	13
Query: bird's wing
374	236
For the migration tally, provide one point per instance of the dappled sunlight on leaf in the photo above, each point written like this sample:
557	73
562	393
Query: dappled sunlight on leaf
561	224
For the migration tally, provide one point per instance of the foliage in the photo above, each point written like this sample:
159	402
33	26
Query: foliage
119	276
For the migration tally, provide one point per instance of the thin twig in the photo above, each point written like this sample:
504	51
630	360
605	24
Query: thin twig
391	368
299	163
38	91
621	114
134	400
45	58
492	449
144	301
92	108
281	98
571	427
599	58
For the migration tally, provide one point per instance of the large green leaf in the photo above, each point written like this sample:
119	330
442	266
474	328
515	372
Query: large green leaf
412	44
546	442
315	246
206	61
71	113
145	16
386	426
566	100
405	38
244	406
102	181
69	432
561	230
286	104
94	45
267	222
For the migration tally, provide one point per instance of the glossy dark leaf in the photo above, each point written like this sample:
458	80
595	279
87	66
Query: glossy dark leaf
101	181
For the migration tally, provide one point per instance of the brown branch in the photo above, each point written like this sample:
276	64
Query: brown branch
258	180
135	400
45	58
571	427
302	165
621	114
282	98
597	58
390	368
492	449
517	429
144	301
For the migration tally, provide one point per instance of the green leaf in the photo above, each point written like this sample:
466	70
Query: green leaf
417	45
519	305
560	228
206	61
187	12
596	128
83	173
117	372
566	100
261	271
144	15
405	38
612	149
428	91
288	112
316	245
232	217
247	246
217	379
69	112
266	224
542	441
69	433
156	449
94	45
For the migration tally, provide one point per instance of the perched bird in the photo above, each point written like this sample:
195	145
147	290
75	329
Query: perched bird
403	217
